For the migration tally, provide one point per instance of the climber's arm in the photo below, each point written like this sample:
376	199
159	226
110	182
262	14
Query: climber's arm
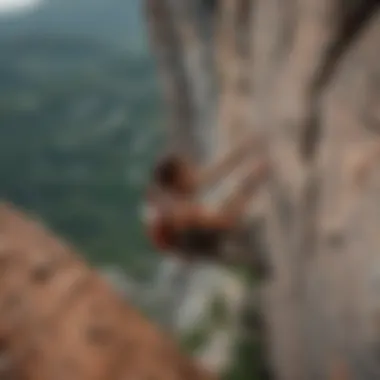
237	202
216	171
194	214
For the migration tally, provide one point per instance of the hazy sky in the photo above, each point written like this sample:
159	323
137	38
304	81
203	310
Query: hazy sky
17	5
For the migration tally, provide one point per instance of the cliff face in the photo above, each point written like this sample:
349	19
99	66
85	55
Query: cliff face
60	319
305	76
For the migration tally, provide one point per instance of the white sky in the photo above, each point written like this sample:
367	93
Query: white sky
11	6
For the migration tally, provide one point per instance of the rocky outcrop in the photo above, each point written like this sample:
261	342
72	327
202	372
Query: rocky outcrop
304	74
60	319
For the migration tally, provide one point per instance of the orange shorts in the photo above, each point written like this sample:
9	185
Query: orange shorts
160	236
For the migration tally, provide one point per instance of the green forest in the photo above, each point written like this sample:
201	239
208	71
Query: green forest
79	123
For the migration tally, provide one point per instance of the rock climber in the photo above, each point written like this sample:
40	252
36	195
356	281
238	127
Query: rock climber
178	223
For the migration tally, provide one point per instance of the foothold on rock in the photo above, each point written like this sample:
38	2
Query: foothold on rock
100	335
42	273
